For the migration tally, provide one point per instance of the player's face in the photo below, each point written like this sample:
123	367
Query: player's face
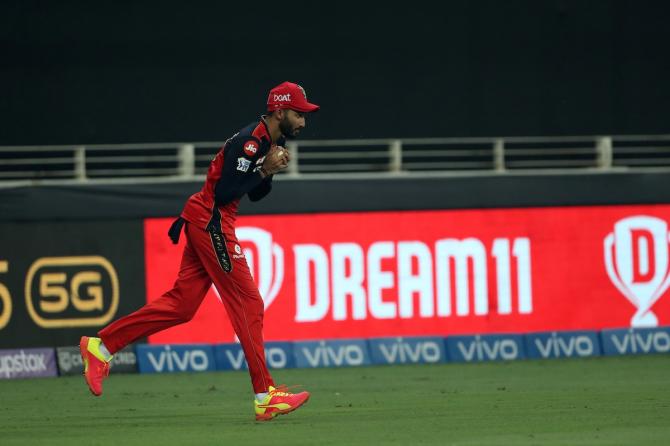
292	123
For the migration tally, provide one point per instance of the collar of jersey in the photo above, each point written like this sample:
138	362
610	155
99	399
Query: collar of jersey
261	131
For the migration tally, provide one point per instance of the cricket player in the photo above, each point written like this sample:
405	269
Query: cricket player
245	165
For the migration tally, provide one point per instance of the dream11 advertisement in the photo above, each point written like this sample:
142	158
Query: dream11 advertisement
418	273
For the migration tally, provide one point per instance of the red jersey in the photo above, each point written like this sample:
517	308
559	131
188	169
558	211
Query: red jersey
234	172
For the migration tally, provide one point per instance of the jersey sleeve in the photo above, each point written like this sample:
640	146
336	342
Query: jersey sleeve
261	190
239	174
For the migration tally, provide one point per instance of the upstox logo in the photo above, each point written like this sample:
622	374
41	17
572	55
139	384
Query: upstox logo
72	291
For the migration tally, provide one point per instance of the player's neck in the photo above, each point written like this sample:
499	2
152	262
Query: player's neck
273	128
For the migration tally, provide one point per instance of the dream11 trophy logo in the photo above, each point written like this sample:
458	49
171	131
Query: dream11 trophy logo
636	258
270	258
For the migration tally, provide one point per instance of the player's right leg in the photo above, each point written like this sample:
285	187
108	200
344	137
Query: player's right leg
245	309
278	401
174	307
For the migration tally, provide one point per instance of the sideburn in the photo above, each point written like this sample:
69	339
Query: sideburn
285	127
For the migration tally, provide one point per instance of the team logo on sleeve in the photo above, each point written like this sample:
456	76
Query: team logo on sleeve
238	252
243	164
250	147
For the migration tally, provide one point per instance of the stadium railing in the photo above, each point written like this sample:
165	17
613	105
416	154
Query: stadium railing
341	158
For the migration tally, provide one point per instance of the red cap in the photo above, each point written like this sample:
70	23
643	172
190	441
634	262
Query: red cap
290	95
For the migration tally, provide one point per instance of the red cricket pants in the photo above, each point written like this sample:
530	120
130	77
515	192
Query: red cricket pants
199	268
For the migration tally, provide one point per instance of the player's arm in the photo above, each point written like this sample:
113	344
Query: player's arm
260	191
239	174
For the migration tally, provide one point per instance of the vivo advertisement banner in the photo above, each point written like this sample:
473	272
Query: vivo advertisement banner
567	344
342	353
485	348
411	350
175	358
278	355
636	341
28	363
407	350
437	273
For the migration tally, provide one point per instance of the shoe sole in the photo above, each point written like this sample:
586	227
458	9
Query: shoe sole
273	415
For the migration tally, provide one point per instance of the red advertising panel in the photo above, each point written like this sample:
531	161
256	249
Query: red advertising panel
347	275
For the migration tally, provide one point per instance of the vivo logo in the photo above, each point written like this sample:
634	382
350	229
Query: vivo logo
276	357
641	342
401	351
334	355
231	356
556	346
480	349
236	359
178	361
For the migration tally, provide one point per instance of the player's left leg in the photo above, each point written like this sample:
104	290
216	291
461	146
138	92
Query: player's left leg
174	307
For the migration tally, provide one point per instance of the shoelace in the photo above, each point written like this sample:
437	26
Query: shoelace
283	390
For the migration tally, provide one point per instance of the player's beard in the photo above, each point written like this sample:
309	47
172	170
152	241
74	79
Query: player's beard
287	129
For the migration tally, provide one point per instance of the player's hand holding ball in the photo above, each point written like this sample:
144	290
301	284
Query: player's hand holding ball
277	159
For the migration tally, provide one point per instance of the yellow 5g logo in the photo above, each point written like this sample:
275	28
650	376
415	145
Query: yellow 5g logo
5	298
71	291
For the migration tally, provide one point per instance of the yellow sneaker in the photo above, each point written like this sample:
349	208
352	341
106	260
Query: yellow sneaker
96	366
278	402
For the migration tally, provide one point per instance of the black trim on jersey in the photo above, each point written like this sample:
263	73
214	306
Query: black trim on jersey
219	241
214	222
175	230
267	129
219	245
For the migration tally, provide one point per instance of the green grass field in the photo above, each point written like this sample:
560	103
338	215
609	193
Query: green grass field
613	401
